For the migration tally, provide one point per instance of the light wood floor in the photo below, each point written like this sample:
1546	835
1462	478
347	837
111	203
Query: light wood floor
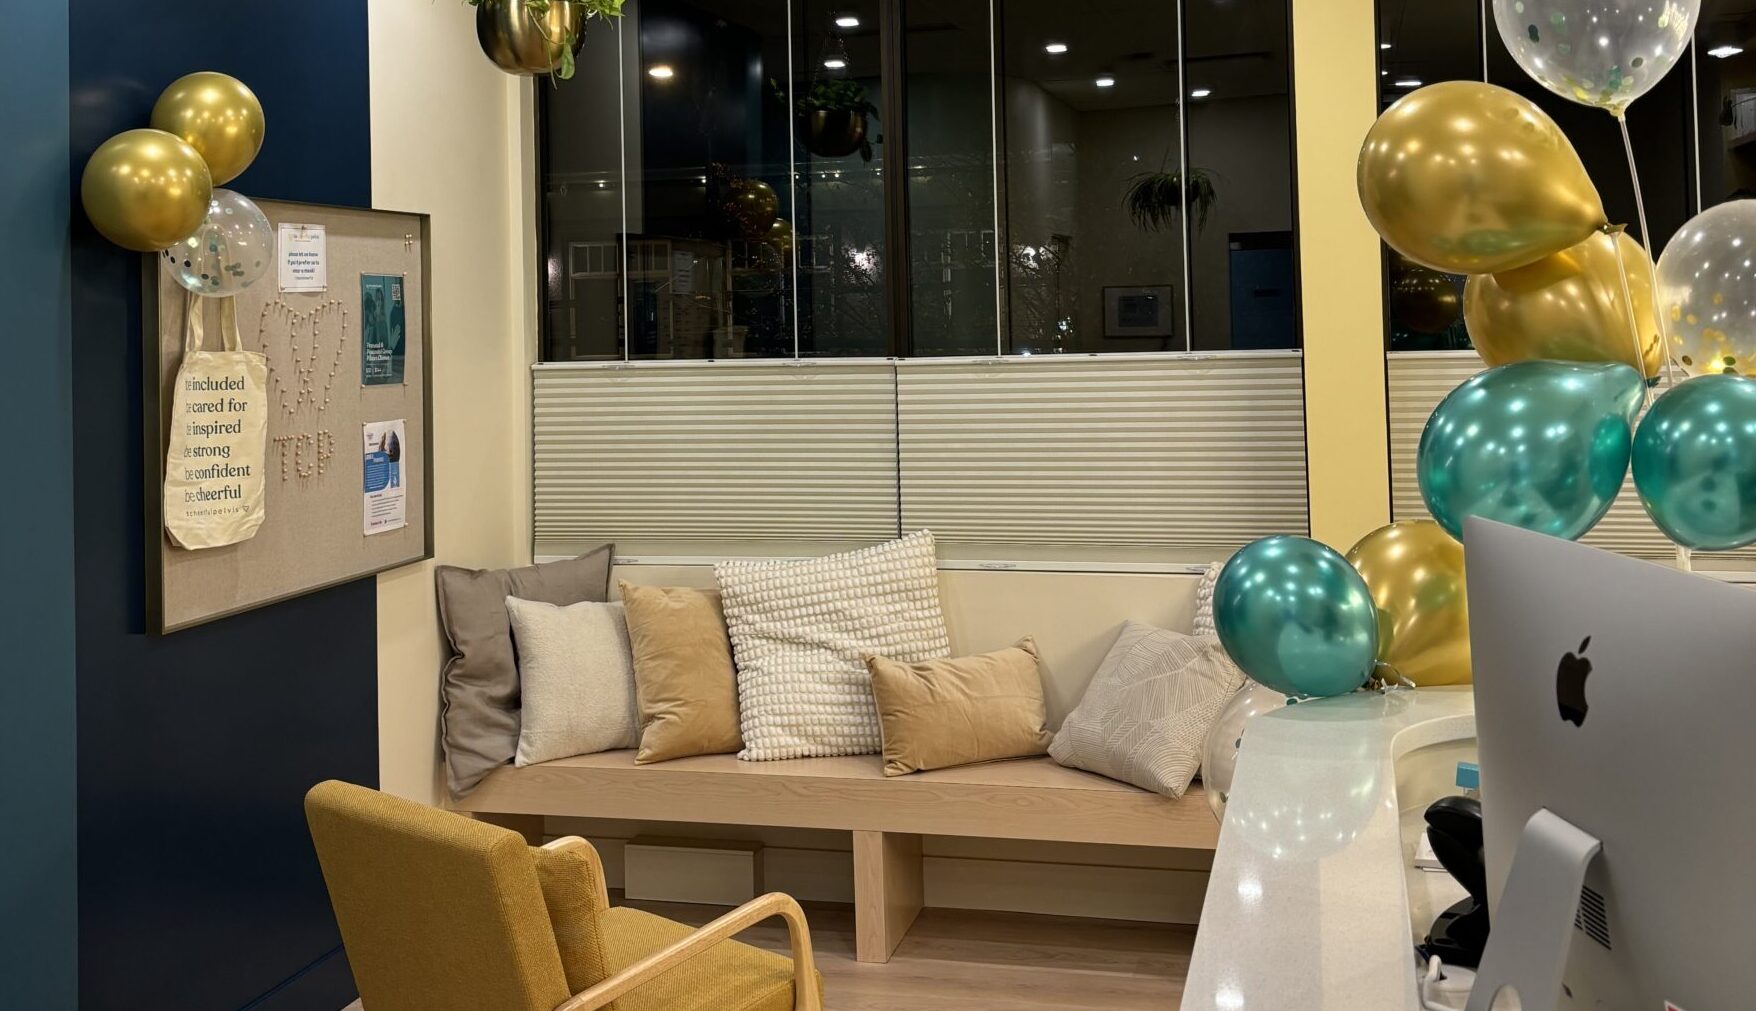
982	961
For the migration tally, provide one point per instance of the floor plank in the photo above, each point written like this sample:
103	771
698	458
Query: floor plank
983	961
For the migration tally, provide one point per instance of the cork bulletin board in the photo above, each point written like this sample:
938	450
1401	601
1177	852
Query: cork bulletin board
333	395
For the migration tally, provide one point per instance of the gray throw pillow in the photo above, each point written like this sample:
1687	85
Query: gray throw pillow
480	682
576	678
1146	714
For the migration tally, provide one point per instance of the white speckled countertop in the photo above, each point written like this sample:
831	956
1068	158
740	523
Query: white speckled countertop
1308	903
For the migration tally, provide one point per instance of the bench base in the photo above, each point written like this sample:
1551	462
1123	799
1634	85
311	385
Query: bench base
887	891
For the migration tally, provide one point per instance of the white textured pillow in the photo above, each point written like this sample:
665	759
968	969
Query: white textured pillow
1148	709
801	632
576	674
1204	600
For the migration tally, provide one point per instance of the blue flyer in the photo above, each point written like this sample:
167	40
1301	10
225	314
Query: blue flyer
382	331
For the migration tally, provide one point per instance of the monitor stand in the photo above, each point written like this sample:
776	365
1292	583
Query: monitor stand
1533	926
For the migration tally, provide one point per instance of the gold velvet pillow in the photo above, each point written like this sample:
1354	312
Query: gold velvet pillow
684	681
960	710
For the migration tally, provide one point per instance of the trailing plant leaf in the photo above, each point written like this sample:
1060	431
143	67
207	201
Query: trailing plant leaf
840	95
1154	199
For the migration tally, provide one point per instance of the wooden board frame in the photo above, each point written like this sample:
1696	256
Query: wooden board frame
156	409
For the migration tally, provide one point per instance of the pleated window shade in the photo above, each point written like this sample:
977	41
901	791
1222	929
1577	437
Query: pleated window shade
1082	461
1419	380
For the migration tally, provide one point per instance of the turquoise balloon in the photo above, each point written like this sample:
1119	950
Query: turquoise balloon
1695	463
1540	445
1295	616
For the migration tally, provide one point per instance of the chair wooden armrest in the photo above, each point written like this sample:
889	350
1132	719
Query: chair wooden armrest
805	993
573	842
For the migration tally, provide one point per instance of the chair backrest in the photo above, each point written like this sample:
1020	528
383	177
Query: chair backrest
438	912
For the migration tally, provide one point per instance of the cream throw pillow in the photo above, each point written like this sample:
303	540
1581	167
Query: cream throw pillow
1148	709
801	632
944	713
684	680
577	676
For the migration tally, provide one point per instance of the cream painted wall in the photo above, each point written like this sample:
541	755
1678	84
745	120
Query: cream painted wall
1347	441
451	137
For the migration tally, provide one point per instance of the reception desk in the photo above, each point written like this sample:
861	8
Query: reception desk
1313	903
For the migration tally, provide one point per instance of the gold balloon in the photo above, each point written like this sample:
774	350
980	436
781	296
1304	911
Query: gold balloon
780	236
1421	300
753	206
1415	572
218	116
1468	178
1568	306
145	190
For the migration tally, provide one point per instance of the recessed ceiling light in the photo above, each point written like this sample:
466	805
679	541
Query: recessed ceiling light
661	71
1055	48
835	63
1408	82
1105	81
1383	45
847	21
1200	92
1383	73
1724	50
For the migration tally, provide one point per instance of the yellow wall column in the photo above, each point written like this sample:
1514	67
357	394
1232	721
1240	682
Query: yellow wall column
1335	100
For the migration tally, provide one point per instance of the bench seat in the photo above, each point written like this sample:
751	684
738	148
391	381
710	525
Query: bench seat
1030	798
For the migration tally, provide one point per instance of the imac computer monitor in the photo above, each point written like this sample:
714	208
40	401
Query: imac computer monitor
1620	695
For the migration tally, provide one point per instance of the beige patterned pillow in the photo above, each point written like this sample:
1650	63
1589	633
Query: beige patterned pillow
801	632
1148	709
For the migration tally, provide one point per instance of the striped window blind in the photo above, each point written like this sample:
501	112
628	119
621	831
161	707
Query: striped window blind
696	458
1419	380
1112	461
1190	454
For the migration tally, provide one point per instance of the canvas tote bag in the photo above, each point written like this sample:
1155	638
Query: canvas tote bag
219	436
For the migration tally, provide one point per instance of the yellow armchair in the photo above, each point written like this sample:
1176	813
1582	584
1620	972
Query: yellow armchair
442	913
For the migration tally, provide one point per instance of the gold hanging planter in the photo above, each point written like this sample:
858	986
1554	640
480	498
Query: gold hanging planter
532	38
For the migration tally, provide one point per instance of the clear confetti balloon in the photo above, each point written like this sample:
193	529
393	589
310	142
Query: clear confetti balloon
1219	754
1602	53
233	247
1707	291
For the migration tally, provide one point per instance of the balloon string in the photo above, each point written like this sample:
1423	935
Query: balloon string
1615	233
1646	244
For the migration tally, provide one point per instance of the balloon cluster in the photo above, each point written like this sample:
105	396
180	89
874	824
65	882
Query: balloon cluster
156	190
1576	323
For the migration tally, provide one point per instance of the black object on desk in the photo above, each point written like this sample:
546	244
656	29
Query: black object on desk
1460	934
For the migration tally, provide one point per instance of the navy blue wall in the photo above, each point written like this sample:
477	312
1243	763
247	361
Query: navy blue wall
198	888
37	841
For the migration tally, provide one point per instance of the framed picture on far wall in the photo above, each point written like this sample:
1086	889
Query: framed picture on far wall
1139	311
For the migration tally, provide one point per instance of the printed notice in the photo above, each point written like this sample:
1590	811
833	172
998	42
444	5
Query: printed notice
303	258
381	329
386	503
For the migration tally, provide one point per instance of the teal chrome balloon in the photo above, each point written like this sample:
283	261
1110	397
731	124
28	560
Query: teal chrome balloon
1295	616
1695	463
1540	445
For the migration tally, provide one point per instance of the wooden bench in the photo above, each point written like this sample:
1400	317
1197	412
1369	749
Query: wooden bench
1023	799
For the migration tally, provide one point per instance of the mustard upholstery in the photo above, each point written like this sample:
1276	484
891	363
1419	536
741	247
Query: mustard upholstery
437	912
730	976
442	913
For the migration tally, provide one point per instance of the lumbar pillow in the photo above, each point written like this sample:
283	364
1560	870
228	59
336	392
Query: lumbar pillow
1147	711
940	713
578	678
1204	600
684	680
801	632
481	678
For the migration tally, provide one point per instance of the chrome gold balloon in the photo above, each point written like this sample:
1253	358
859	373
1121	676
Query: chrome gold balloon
1414	570
145	190
1568	307
1469	178
218	116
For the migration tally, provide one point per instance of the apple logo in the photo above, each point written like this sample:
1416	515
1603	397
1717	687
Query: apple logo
1570	678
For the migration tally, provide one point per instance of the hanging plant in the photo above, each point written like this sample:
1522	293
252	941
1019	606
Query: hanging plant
833	119
1154	199
537	36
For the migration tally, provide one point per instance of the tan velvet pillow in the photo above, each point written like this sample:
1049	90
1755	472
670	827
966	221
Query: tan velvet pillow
960	710
684	681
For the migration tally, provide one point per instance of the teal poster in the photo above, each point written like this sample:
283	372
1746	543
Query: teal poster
382	331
